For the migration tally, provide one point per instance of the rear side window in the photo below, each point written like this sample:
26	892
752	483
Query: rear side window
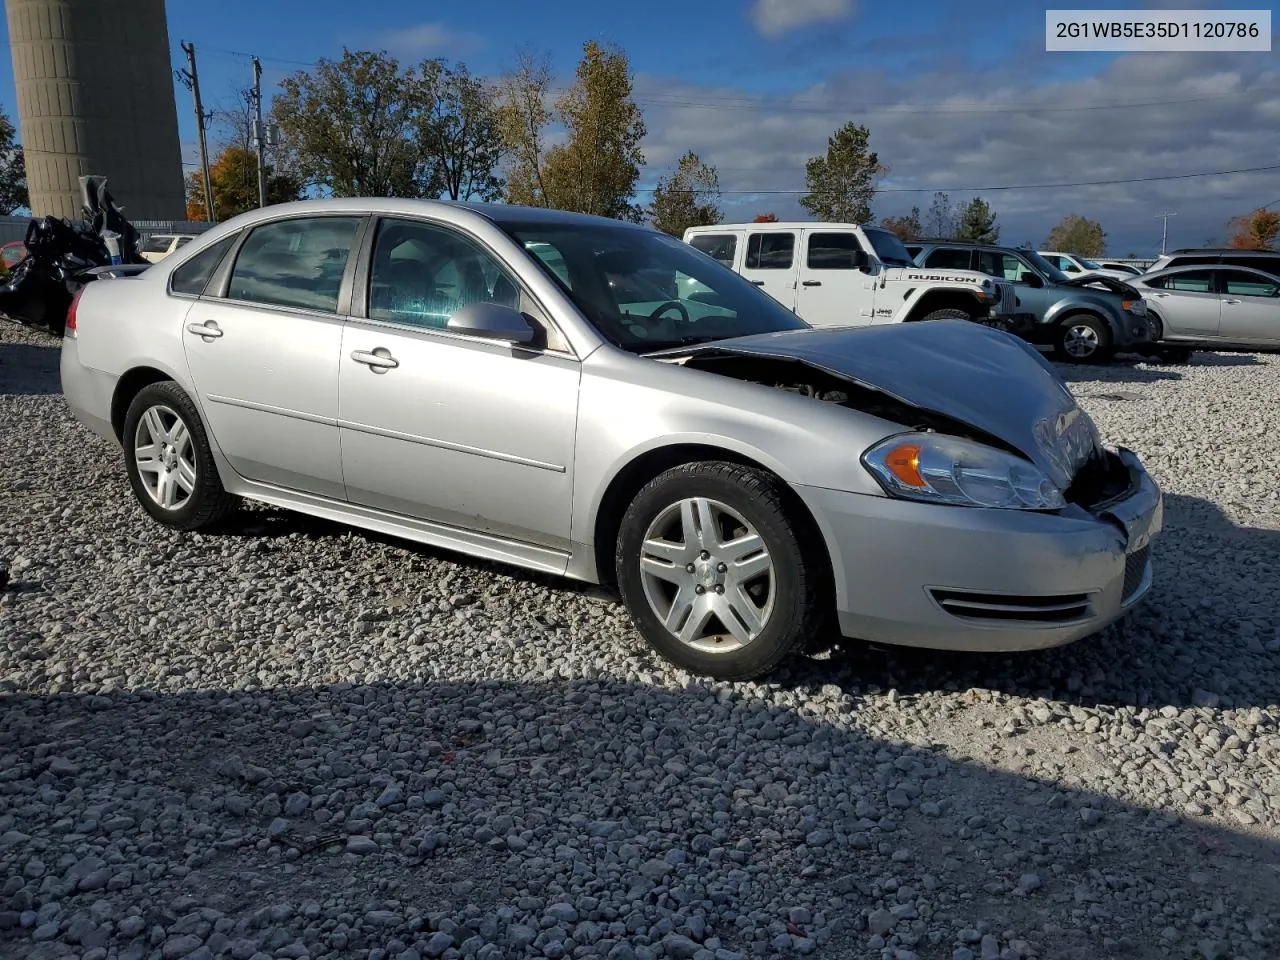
1240	283
832	251
295	263
948	259
721	246
770	251
192	277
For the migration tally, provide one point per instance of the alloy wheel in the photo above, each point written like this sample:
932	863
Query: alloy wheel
165	457
1080	341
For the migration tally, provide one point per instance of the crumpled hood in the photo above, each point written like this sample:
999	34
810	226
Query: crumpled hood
1110	284
987	379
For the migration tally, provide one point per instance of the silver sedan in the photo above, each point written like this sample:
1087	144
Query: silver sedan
598	400
1212	306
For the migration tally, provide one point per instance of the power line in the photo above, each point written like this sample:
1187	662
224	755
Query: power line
1005	186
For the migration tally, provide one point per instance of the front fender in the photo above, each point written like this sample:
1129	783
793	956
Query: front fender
1069	305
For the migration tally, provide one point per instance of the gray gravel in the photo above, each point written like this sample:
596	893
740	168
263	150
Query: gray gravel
294	740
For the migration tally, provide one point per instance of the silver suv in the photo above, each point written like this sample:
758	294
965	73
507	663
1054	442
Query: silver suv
1085	319
1268	261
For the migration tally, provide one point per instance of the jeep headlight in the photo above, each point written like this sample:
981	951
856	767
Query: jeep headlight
935	468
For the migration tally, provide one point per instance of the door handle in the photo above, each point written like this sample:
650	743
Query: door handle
812	283
209	329
1160	295
1230	301
379	359
758	283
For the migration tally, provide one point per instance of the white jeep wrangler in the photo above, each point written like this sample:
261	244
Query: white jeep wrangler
841	274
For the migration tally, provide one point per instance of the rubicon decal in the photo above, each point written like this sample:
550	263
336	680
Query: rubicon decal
939	276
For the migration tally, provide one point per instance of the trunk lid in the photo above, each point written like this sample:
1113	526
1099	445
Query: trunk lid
984	378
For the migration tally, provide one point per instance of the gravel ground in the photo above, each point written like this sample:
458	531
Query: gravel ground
294	740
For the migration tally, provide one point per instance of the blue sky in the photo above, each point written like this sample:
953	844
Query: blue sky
956	94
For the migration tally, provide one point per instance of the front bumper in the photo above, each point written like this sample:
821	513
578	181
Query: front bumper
959	578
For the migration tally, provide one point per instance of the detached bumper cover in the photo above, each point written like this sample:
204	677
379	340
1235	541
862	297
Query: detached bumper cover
986	580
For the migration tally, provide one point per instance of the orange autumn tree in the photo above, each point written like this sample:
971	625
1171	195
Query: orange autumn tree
235	186
1255	231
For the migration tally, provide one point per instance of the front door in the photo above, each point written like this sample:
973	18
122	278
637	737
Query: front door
1034	295
469	433
770	263
833	291
264	357
1250	307
1188	303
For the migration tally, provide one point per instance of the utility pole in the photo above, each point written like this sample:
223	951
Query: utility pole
1164	236
259	140
191	79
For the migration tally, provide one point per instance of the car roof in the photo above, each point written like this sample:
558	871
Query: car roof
969	245
1193	267
1224	250
782	225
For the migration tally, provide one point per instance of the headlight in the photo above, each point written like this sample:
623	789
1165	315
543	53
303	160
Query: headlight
940	469
1137	307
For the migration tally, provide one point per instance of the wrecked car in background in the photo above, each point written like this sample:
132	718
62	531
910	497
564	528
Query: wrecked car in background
601	401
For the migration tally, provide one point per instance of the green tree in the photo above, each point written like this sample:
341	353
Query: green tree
13	169
455	126
941	221
689	197
595	170
907	228
348	126
841	184
1078	235
234	175
976	222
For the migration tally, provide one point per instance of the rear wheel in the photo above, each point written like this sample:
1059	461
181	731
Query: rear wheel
718	572
169	461
947	313
1083	338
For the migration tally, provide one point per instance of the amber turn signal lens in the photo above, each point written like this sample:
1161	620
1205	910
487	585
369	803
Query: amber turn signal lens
904	463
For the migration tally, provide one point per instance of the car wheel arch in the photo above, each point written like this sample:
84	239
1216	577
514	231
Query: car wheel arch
130	384
632	476
933	300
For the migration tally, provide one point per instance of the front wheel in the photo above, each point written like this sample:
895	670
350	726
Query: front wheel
947	313
718	572
1083	338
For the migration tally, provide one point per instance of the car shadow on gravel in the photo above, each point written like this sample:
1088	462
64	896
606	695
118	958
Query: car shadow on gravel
30	370
470	809
1214	641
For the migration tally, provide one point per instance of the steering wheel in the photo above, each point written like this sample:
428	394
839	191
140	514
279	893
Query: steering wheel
671	305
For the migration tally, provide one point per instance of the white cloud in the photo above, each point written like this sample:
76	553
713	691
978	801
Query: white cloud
775	17
430	40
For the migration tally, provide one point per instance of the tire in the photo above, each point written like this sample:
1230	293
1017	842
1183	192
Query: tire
181	473
947	313
738	626
1082	332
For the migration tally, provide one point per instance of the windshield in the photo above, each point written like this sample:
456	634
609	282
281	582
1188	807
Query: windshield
1089	264
889	248
1044	266
646	291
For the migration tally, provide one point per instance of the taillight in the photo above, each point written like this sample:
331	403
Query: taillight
70	329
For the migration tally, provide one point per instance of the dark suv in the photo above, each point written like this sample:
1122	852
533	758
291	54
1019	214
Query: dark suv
1268	261
1085	319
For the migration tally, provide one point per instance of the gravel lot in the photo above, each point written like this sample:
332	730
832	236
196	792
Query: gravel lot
293	740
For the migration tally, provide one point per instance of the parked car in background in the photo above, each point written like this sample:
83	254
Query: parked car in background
1073	265
1211	306
1116	266
160	245
1268	261
1085	318
483	379
840	274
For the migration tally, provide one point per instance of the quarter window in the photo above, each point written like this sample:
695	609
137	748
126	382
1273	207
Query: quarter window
721	246
770	251
832	251
422	275
1240	283
193	276
295	263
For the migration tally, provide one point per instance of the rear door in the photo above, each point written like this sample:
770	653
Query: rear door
1250	307
832	291
770	263
1187	303
263	352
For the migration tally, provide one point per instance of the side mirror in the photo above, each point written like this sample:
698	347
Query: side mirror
1031	280
860	260
492	321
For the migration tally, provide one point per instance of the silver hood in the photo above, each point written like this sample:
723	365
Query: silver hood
984	378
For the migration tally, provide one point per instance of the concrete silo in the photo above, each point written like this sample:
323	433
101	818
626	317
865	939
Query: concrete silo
95	96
